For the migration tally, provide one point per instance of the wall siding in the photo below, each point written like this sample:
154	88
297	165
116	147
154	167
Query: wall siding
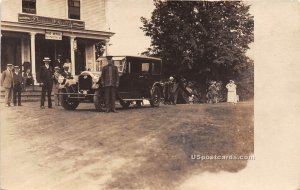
10	10
92	11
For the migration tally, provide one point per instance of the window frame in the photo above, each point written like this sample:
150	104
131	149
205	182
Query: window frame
71	5
26	9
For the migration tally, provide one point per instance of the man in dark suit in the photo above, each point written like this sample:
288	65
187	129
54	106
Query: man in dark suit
110	82
7	83
17	87
46	77
58	62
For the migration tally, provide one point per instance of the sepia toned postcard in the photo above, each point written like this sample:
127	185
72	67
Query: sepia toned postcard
149	95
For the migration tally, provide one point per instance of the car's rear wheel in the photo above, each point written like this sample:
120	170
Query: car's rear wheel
66	102
156	96
99	101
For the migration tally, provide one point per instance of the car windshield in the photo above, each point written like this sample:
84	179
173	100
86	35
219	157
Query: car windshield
118	61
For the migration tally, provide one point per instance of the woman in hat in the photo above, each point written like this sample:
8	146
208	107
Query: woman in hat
231	94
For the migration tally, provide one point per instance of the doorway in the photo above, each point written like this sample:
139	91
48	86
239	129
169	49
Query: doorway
51	49
10	51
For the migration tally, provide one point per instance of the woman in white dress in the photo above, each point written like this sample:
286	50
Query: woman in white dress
231	95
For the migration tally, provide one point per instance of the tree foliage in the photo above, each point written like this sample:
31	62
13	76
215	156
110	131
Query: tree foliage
201	40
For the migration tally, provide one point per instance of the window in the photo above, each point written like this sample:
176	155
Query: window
119	64
145	67
156	68
29	6
74	9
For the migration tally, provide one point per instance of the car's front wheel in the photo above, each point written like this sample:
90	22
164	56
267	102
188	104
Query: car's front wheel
125	104
66	102
156	96
99	101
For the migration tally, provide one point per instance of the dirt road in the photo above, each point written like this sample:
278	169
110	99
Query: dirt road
138	148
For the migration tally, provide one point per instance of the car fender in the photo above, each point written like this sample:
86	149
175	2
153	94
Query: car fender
70	89
159	85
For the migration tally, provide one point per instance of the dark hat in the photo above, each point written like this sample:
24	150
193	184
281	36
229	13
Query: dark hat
46	59
109	57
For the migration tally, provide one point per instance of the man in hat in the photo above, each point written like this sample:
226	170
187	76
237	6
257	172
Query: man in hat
17	86
58	61
110	82
46	77
7	83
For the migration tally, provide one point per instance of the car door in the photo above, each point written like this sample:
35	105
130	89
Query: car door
125	86
139	72
156	69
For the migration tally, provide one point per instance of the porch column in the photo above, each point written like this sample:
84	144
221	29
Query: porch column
107	44
72	38
32	53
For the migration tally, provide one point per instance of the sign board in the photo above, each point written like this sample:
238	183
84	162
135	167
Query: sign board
53	35
52	22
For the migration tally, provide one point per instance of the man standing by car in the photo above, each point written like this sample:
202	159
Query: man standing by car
7	83
110	82
46	77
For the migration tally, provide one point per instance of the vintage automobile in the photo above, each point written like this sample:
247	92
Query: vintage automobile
139	80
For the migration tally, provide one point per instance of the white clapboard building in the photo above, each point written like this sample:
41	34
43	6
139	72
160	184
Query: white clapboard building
33	29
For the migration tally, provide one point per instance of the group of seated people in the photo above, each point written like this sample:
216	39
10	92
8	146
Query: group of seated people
27	79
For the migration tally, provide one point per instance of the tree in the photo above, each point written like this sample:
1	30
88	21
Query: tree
201	40
100	49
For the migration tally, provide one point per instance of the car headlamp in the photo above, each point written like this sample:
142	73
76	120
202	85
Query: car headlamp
96	79
60	79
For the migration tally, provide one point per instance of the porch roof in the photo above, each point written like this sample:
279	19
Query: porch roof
31	28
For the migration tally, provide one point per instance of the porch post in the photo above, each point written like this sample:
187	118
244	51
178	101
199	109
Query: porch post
72	55
106	52
32	53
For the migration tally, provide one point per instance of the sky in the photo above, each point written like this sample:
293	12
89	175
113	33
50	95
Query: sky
123	18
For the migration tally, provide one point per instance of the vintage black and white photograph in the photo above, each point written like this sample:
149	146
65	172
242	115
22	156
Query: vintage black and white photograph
137	94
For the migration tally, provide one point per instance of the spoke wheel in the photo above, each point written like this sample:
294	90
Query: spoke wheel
66	102
156	96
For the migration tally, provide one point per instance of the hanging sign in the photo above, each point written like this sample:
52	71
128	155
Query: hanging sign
53	35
